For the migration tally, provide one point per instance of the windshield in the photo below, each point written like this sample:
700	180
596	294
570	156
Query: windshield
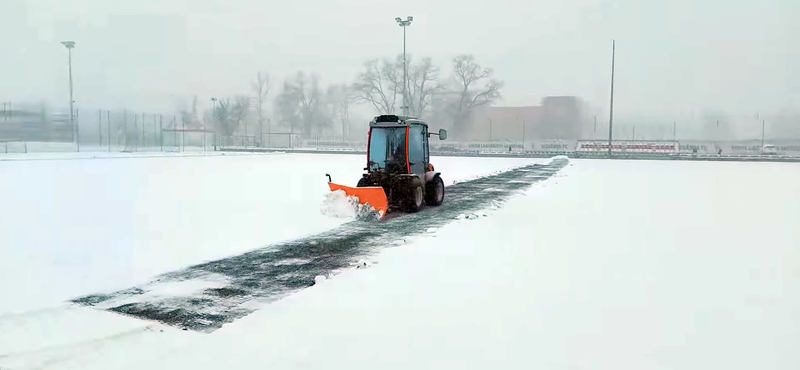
387	148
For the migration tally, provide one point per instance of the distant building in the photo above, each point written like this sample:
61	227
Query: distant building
558	117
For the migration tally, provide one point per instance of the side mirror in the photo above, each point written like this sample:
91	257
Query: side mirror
442	134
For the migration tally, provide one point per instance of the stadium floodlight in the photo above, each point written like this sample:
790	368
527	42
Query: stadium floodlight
404	24
70	45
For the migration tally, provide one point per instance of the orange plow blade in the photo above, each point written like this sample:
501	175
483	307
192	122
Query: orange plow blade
372	195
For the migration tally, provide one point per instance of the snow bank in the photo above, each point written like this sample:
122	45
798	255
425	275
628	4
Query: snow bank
635	265
337	204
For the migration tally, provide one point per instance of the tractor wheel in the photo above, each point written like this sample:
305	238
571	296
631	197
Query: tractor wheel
416	196
363	182
434	192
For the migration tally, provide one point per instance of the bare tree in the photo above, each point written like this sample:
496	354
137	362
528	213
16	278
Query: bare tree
380	84
340	99
288	107
190	116
422	84
469	86
300	102
468	75
261	88
240	110
223	117
230	114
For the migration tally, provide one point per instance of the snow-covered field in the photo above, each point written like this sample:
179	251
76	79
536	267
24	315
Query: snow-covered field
73	227
606	265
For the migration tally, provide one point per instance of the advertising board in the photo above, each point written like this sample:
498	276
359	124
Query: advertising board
660	147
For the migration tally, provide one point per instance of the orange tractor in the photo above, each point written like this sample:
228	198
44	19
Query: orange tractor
399	175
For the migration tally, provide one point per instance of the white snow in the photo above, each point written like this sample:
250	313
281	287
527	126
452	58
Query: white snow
82	226
621	265
338	204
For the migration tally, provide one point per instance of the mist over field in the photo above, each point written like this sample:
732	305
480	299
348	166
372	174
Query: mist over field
714	70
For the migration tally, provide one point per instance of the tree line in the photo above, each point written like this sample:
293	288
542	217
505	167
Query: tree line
303	105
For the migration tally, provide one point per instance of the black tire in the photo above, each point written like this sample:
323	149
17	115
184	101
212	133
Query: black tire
434	192
363	182
415	198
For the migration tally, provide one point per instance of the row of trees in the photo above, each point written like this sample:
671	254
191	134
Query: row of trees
304	106
469	85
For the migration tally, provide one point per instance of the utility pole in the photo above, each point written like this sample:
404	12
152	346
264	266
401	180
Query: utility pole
763	123
136	129
70	45
611	113
78	130
124	128
404	24
214	116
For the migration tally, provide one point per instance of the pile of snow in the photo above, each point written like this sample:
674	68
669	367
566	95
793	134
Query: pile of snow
337	204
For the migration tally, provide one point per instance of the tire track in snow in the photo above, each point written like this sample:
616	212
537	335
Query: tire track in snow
228	289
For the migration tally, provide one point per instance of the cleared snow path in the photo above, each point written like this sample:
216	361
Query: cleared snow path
206	296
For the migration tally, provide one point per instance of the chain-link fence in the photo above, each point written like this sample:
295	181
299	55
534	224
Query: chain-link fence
131	131
101	131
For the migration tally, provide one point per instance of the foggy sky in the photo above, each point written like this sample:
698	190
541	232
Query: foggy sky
738	56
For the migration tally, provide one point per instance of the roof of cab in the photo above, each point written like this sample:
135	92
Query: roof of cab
391	120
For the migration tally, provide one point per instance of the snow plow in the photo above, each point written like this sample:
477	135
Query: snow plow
399	175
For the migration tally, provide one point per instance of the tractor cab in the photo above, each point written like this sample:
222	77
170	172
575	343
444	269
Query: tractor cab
398	145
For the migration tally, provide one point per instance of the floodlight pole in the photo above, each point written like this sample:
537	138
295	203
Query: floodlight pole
70	45
611	111
214	124
404	24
